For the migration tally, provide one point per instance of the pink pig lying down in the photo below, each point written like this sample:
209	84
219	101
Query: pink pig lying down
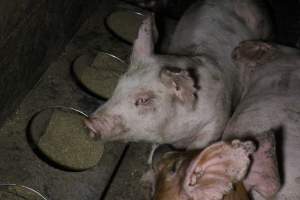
211	174
270	77
185	96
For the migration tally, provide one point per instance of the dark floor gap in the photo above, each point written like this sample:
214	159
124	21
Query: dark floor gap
111	179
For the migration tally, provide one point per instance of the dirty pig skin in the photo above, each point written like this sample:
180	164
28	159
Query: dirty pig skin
185	96
270	77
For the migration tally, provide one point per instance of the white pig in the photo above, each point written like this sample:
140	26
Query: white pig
183	97
270	101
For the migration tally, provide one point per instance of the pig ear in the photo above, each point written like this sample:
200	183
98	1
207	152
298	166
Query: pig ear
145	42
181	82
212	173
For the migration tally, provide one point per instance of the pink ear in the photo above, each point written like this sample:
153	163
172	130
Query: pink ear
181	82
212	173
146	39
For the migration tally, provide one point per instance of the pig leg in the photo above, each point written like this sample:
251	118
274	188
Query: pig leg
264	176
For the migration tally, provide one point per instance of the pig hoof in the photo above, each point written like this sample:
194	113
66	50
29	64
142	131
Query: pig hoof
253	53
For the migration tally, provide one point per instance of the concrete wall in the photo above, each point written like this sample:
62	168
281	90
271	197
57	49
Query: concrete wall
32	33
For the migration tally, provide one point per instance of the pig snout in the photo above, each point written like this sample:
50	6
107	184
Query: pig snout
104	127
91	124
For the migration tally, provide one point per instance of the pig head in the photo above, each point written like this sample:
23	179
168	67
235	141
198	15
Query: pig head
208	175
162	96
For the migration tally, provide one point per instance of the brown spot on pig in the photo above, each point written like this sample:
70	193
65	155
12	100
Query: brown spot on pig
254	53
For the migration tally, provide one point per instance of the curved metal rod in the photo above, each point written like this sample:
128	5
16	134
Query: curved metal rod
63	108
27	188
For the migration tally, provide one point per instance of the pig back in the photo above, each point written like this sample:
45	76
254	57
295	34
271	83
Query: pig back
215	27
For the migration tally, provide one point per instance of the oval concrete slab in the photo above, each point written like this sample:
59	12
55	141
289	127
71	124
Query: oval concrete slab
61	137
125	24
100	73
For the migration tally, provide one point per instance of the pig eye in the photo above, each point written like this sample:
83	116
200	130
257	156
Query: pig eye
143	101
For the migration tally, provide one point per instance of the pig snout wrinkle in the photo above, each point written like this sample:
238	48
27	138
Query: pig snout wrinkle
104	126
90	123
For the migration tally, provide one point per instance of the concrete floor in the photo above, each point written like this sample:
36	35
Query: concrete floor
118	173
117	176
